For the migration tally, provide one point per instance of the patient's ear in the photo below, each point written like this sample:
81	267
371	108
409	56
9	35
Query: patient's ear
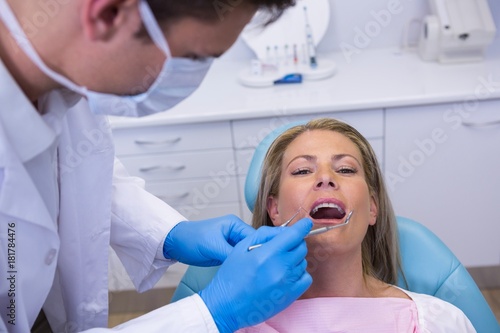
373	211
272	209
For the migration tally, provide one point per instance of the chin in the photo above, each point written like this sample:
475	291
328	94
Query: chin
324	241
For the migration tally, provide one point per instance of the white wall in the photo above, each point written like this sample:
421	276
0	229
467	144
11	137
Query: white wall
350	16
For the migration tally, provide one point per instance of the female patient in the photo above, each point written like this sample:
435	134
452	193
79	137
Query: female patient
329	169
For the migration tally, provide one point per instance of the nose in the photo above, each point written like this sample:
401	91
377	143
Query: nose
325	180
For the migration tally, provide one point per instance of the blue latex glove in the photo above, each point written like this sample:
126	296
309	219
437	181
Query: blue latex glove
205	243
252	286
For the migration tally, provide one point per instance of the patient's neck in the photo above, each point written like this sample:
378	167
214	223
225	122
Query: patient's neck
339	275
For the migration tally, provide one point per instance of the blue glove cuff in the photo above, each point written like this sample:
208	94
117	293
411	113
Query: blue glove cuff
165	251
168	245
219	320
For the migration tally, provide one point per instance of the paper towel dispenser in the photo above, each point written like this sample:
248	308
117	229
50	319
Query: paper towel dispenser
456	31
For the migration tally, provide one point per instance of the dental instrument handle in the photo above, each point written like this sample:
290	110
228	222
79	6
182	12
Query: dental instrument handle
323	230
313	232
253	247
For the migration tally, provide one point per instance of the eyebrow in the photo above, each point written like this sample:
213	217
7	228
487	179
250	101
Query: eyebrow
335	158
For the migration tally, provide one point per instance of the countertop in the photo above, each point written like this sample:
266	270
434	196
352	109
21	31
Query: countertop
373	79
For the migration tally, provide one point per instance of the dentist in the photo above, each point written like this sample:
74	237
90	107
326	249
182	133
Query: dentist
64	199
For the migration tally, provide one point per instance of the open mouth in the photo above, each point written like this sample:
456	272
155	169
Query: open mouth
327	211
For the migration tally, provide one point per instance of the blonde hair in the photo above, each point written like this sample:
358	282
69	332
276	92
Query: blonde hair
380	248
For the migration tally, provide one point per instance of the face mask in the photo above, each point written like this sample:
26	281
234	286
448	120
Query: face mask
178	79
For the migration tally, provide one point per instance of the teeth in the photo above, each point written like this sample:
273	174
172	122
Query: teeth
327	205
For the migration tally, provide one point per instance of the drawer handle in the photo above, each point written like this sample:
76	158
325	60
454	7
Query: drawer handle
163	167
157	143
168	198
478	125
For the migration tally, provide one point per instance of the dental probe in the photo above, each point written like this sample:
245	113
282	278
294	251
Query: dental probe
312	232
287	222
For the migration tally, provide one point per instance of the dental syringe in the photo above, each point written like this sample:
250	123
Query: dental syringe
311	48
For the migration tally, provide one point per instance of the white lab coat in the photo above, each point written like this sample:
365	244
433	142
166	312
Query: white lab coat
54	244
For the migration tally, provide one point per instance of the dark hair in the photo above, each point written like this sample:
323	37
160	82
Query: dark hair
213	10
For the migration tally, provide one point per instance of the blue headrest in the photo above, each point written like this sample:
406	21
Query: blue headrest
253	176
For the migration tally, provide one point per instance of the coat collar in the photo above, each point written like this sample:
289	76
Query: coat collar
24	128
24	134
19	197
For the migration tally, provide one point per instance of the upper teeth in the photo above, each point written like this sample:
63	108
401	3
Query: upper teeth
327	205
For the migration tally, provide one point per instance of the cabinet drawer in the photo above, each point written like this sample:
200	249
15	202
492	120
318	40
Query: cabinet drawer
159	139
180	166
248	133
217	189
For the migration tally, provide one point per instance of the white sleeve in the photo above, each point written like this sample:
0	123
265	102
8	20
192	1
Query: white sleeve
139	224
187	315
438	316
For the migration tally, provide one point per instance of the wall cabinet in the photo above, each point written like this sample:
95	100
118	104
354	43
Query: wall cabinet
441	168
191	167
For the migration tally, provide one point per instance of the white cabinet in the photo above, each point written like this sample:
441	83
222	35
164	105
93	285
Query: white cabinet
442	167
191	166
248	133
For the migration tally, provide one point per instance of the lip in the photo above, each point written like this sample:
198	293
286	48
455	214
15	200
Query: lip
328	201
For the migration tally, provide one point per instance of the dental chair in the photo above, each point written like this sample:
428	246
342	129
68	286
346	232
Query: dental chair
429	266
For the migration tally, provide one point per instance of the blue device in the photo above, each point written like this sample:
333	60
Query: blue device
290	78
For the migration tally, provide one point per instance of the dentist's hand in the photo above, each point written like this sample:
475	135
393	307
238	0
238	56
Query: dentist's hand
252	286
205	243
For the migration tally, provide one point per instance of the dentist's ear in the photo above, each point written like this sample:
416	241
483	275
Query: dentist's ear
272	209
102	19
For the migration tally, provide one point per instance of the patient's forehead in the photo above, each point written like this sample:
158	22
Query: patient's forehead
321	142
